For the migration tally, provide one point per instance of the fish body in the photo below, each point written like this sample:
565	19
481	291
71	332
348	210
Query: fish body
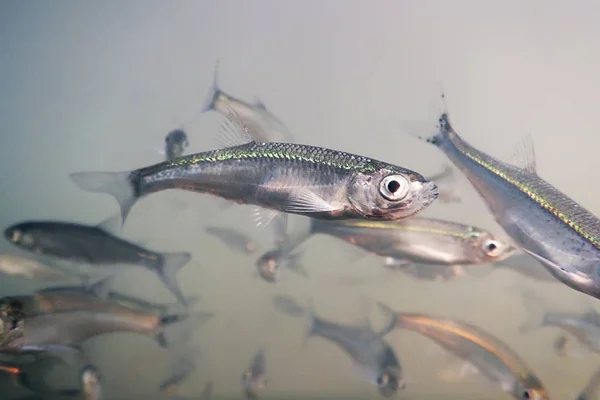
419	240
263	124
254	378
31	269
490	356
427	272
280	177
94	246
175	144
367	349
543	221
26	325
74	327
233	238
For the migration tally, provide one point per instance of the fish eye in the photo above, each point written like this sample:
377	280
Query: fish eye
394	187
492	248
15	236
526	394
383	380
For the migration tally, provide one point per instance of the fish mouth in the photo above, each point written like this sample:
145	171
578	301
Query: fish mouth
429	193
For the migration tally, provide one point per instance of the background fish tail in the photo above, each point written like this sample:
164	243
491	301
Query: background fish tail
180	327
172	263
535	313
300	234
311	321
213	93
117	184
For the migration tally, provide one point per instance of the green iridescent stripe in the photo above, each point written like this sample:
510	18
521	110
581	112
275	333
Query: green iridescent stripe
346	162
378	225
533	196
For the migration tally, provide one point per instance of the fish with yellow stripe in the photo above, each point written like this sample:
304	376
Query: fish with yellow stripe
413	241
544	222
488	355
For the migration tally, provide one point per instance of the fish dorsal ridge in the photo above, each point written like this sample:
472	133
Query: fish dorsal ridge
524	155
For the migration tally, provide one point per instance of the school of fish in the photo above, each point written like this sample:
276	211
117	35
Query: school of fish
370	204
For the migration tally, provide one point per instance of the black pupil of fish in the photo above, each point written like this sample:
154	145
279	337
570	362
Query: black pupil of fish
526	395
492	246
393	186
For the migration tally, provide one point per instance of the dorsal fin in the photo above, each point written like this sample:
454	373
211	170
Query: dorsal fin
233	131
524	155
258	103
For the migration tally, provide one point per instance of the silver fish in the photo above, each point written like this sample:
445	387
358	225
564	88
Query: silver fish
254	379
415	240
32	269
585	327
263	124
365	347
544	222
70	328
175	144
95	245
278	178
490	356
233	238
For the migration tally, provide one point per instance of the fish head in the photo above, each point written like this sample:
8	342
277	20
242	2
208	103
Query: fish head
390	194
485	248
22	235
12	308
177	136
530	388
91	383
532	394
268	266
389	381
11	328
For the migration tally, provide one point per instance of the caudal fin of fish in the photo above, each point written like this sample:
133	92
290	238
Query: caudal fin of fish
179	370
172	263
208	391
534	310
117	184
180	327
436	122
310	319
214	91
391	316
